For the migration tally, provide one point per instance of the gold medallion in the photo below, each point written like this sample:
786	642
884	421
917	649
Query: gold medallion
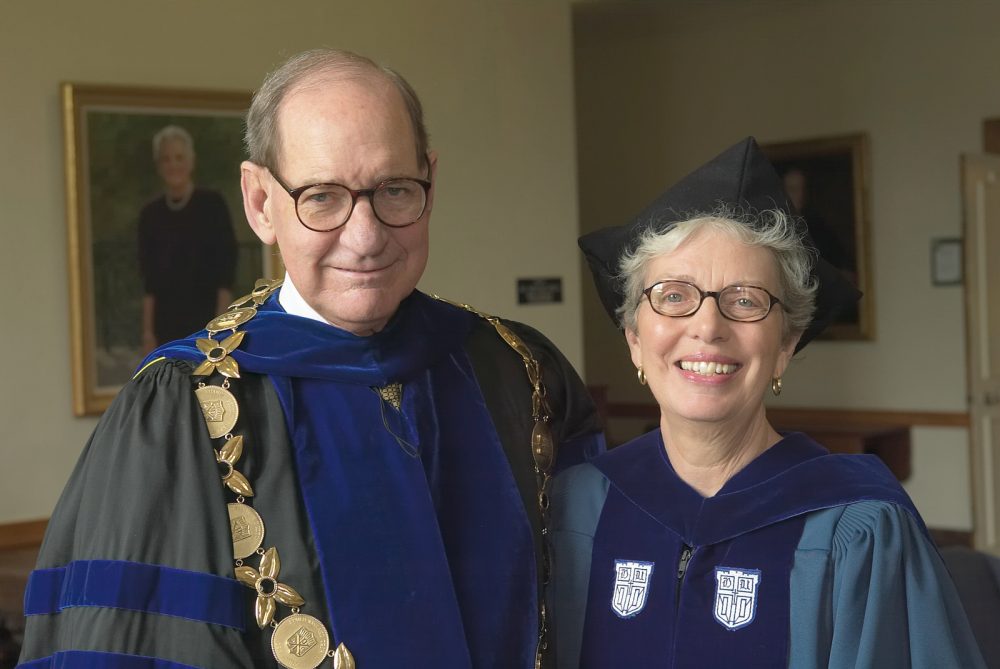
263	290
248	530
300	642
231	319
245	300
543	448
219	408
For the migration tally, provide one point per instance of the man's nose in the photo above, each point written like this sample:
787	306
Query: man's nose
363	232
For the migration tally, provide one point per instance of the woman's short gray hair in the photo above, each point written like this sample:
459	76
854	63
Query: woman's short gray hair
172	133
771	229
262	139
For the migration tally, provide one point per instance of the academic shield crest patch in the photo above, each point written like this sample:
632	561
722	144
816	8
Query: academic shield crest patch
736	596
631	587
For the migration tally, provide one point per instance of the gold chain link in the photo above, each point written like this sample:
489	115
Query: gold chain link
543	452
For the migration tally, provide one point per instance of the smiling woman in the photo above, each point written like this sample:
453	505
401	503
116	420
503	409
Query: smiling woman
715	539
712	362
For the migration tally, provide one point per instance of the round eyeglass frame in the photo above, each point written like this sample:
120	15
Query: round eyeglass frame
715	294
296	193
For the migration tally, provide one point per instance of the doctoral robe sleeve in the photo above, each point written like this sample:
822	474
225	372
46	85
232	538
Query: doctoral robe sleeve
136	567
578	496
893	602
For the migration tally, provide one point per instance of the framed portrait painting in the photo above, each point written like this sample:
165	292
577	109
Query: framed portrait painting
157	237
826	180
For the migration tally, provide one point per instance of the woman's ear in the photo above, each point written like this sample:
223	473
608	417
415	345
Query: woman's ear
634	346
785	354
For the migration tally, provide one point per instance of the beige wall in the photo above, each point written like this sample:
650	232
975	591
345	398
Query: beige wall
661	87
496	80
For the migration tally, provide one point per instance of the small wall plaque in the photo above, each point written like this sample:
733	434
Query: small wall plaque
539	291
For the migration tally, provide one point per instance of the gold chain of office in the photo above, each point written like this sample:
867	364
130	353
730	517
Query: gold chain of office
543	453
299	640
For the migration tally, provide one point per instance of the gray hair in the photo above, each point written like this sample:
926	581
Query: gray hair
172	133
771	229
262	139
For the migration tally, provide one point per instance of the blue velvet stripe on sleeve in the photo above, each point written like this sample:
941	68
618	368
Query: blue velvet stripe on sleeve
148	588
85	659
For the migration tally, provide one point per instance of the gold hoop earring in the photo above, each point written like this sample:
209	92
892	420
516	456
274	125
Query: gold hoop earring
776	385
642	376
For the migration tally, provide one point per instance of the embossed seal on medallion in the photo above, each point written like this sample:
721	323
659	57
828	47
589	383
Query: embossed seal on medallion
248	530
300	642
231	319
220	409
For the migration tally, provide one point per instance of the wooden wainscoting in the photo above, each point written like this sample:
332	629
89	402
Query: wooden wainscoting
24	534
19	544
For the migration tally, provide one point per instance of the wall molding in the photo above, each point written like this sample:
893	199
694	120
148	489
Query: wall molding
24	534
826	417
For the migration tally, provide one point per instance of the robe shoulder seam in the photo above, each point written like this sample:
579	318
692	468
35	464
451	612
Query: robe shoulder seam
861	520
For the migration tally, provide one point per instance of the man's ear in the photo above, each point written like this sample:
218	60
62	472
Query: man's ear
432	162
255	201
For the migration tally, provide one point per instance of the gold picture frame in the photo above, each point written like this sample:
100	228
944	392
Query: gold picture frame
110	178
827	181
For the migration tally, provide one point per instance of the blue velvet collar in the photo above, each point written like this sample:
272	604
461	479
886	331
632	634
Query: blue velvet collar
422	332
793	477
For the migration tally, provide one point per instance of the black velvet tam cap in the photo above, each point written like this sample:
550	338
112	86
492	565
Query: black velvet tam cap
741	178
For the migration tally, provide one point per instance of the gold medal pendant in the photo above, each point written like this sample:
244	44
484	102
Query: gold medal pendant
248	530
300	642
220	409
231	319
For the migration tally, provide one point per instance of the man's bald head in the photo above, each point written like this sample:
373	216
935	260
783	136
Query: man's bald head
315	67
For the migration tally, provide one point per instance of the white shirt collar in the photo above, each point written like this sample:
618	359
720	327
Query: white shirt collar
292	302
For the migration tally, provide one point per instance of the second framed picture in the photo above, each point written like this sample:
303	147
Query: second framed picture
826	180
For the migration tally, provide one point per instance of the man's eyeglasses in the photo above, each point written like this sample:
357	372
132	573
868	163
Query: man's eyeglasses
397	202
677	299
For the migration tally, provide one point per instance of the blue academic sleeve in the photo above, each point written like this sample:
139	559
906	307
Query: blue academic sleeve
893	602
578	496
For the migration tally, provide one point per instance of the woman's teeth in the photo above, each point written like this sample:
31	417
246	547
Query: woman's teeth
707	368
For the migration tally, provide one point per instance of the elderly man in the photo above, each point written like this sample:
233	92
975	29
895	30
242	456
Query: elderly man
371	464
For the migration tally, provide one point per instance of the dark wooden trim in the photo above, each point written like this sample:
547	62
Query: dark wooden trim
951	537
991	135
869	418
831	417
24	534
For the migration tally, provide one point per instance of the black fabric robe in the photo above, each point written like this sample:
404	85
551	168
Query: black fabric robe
147	490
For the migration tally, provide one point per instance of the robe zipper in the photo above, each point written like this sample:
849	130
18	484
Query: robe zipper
681	570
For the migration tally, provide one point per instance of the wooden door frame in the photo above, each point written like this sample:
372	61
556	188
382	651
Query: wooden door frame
983	470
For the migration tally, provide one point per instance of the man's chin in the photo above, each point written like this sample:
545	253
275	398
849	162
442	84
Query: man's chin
362	318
